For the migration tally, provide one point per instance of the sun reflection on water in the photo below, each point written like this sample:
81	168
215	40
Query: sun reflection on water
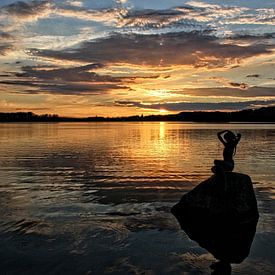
87	187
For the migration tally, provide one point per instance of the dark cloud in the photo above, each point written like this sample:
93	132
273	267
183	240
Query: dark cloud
77	80
174	17
230	92
253	75
194	48
195	16
5	48
76	89
5	35
74	80
6	43
26	9
250	37
267	39
74	74
198	106
62	88
242	85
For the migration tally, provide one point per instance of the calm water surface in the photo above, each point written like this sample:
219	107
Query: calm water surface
95	198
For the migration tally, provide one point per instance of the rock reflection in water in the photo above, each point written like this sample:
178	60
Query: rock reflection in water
223	222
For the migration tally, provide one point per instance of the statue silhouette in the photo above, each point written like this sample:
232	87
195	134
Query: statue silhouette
230	141
221	220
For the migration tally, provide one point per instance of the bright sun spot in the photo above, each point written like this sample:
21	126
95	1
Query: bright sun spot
162	111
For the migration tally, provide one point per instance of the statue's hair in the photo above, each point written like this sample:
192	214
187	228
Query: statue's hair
229	136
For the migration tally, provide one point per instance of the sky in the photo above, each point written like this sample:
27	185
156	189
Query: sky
132	57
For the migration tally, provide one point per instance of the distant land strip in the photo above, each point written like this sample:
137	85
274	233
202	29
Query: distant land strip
261	115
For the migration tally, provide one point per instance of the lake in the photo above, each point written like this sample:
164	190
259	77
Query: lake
95	198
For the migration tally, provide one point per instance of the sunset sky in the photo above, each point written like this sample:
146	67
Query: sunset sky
128	57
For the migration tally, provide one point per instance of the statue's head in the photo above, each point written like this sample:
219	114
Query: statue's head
229	136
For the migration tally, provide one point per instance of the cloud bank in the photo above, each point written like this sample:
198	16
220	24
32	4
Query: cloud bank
181	48
203	106
122	52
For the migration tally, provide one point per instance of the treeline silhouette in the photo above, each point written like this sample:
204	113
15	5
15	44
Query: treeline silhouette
264	114
27	117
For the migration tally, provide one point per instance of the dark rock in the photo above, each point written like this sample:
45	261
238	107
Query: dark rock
221	214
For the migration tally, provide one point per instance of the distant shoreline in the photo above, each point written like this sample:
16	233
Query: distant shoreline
264	115
122	121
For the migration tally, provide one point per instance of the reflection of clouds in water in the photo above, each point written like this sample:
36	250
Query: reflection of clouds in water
266	206
124	266
254	267
197	263
192	262
109	188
